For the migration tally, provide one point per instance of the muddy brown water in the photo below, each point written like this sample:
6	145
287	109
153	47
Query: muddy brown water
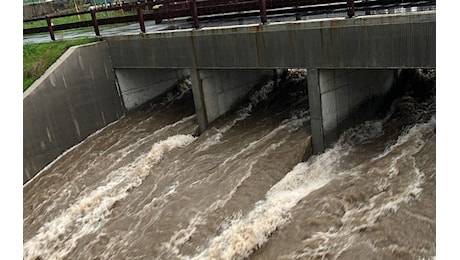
145	187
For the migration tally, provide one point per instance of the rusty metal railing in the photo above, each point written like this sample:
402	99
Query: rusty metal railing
184	8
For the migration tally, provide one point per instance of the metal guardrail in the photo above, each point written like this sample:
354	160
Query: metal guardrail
167	9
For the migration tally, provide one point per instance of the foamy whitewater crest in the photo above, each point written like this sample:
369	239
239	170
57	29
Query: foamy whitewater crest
182	236
417	130
173	245
181	89
128	149
363	133
399	154
212	140
297	120
257	97
245	235
383	203
57	238
175	94
297	75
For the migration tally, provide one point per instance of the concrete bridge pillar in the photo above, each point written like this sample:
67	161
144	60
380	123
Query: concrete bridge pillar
217	91
342	98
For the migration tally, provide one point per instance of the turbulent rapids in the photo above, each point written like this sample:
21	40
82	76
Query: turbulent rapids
146	187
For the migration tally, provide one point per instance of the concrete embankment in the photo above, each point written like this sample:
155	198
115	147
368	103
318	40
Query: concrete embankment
83	92
75	97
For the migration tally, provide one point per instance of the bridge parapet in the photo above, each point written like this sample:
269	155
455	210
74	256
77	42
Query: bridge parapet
378	41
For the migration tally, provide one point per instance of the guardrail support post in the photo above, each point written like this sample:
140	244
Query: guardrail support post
350	8
95	25
50	27
194	11
140	15
263	11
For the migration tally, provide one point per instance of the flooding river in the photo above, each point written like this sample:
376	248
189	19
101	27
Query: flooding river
145	187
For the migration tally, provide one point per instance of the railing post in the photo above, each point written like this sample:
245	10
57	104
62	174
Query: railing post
140	15
263	11
298	17
350	8
50	27
95	25
194	11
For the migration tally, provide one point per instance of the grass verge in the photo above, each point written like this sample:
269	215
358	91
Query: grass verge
38	57
77	18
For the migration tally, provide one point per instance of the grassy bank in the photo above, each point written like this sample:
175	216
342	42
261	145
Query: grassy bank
37	57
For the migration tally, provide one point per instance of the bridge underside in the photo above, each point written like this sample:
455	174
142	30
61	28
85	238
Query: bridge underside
338	98
350	63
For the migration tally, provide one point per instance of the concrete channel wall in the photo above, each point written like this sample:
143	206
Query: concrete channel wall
82	92
217	91
343	98
75	97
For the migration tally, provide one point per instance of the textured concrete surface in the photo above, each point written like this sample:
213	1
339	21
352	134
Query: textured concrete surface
368	42
75	97
342	98
138	86
219	91
378	41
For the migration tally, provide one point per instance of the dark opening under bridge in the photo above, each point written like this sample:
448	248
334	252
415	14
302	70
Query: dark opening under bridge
351	64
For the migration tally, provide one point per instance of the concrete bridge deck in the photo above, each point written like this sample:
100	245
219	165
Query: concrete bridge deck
378	41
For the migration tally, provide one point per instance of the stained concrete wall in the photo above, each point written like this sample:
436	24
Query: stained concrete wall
342	98
75	97
378	41
140	85
390	41
218	91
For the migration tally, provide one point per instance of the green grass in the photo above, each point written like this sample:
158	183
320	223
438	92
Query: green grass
38	57
77	18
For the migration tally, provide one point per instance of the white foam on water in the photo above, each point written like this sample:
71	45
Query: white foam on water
115	157
257	97
363	133
57	238
244	235
413	189
183	235
417	130
381	204
297	75
296	121
182	88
